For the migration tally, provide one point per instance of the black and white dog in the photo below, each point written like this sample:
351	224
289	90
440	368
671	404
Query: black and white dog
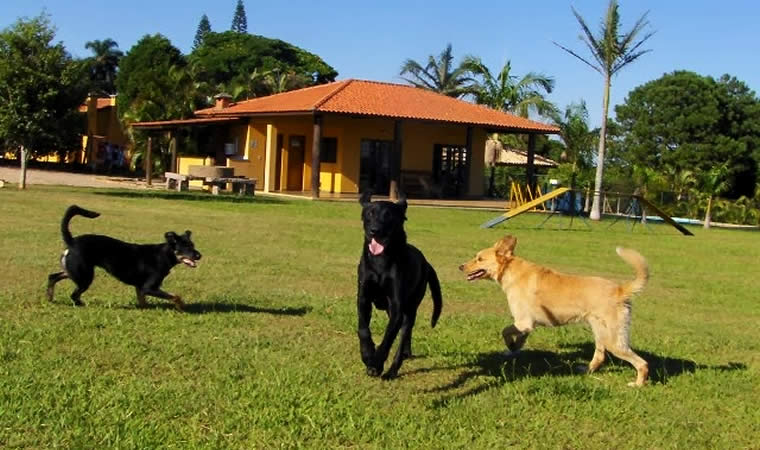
141	266
393	276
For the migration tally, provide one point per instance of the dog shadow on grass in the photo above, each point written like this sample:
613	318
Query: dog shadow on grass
223	307
499	369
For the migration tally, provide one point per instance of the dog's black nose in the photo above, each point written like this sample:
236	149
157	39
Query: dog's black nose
197	256
461	267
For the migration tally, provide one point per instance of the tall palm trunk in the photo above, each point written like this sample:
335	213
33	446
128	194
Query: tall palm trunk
596	205
22	175
708	212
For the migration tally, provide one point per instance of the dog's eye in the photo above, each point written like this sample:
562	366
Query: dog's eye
480	259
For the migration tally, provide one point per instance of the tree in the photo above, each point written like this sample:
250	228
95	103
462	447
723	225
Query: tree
685	121
145	83
239	21
611	51
576	135
439	75
104	64
204	28
507	92
40	90
229	59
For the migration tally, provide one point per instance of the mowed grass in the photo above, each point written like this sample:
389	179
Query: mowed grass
266	355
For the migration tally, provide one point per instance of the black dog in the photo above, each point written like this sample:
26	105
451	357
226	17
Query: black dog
141	266
393	276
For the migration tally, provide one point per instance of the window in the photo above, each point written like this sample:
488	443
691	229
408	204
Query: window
329	150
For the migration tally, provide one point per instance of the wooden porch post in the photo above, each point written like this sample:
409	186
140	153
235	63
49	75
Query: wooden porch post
315	153
148	164
467	162
398	138
530	169
173	142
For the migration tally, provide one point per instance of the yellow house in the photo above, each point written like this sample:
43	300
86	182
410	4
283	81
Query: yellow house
352	135
102	127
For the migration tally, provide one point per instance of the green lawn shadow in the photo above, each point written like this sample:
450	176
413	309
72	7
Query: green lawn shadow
501	369
192	196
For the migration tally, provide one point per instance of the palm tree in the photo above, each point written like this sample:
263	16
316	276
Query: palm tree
575	133
507	92
611	51
105	62
439	75
711	184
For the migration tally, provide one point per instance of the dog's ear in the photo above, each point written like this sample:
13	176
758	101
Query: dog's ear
188	233
365	198
505	247
171	237
402	201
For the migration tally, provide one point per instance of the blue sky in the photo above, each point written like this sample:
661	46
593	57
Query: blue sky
370	40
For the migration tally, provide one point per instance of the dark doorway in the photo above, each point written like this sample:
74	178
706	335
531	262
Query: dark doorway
450	169
278	163
375	166
296	147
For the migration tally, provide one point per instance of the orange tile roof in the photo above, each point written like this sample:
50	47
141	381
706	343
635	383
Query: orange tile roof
372	98
173	123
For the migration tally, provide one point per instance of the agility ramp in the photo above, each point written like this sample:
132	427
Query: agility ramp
559	191
525	207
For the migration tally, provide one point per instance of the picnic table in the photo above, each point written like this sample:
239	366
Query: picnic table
181	182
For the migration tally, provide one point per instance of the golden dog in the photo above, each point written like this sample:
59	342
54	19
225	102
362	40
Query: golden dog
541	296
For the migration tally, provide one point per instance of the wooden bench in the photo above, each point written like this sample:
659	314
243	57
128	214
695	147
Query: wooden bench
241	185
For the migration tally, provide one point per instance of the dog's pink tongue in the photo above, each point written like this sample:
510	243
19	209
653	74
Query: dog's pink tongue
375	247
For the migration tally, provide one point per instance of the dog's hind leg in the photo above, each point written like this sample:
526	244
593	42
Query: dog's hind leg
141	303
641	366
599	348
82	276
404	344
54	278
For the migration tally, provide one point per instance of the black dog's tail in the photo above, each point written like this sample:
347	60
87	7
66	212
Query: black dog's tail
435	292
72	211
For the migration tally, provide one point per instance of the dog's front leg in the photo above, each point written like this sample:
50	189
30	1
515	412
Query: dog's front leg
394	324
157	292
404	345
366	344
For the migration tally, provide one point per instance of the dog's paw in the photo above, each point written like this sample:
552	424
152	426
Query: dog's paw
389	375
373	371
511	353
635	384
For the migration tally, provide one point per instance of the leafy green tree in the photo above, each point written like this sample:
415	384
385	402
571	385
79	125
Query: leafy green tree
685	121
229	58
40	90
104	64
507	92
145	83
239	20
576	135
439	75
204	28
611	51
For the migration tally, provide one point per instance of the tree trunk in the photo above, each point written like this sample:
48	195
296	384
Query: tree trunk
708	213
596	205
22	175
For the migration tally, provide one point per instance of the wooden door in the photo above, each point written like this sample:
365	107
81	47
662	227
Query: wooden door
296	146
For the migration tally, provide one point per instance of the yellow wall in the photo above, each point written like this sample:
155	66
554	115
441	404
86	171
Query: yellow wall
184	163
419	139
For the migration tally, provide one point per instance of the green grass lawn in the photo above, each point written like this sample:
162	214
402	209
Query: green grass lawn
266	354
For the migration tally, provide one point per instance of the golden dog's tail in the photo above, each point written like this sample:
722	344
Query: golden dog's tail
641	267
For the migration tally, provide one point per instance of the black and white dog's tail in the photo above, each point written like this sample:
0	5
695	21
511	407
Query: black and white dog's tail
72	211
435	292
